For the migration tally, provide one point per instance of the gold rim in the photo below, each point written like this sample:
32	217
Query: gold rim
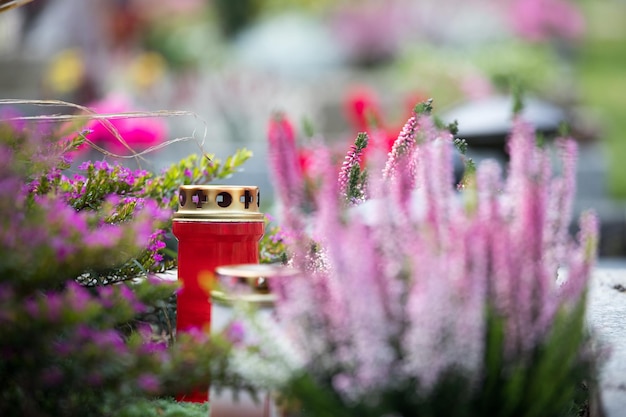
255	271
225	203
259	300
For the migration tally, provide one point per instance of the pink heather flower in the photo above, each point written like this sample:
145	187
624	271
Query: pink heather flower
352	158
403	146
284	160
287	171
583	261
352	163
424	277
540	20
561	203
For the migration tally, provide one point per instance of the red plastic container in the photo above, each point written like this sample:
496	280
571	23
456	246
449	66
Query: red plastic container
215	226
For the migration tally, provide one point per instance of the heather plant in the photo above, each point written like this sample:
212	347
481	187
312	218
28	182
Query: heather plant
78	301
429	298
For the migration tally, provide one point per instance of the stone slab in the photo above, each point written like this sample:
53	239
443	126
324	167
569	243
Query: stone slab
606	314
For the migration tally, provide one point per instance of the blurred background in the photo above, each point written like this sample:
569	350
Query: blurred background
331	66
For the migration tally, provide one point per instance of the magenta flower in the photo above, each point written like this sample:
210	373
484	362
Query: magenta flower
139	133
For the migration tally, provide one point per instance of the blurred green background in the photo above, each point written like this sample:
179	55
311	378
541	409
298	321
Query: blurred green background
601	70
235	62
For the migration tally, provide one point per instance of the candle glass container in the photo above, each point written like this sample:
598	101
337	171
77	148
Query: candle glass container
214	225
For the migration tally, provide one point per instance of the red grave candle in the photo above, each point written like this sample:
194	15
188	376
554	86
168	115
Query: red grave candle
215	226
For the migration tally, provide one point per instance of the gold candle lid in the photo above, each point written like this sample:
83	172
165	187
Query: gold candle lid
252	283
223	203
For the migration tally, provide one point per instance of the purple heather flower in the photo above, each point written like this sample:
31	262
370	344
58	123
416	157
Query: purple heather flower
235	333
111	296
94	378
156	242
403	146
108	341
102	166
106	296
84	166
64	348
54	174
158	349
78	178
11	116
31	306
77	297
277	237
51	376
105	236
148	383
129	296
62	248
54	304
125	175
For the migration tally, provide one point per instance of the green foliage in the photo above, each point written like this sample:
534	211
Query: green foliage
193	169
272	247
164	408
425	107
518	99
547	383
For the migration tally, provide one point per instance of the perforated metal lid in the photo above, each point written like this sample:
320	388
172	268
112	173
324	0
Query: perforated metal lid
224	203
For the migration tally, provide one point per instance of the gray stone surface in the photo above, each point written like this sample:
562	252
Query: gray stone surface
607	318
